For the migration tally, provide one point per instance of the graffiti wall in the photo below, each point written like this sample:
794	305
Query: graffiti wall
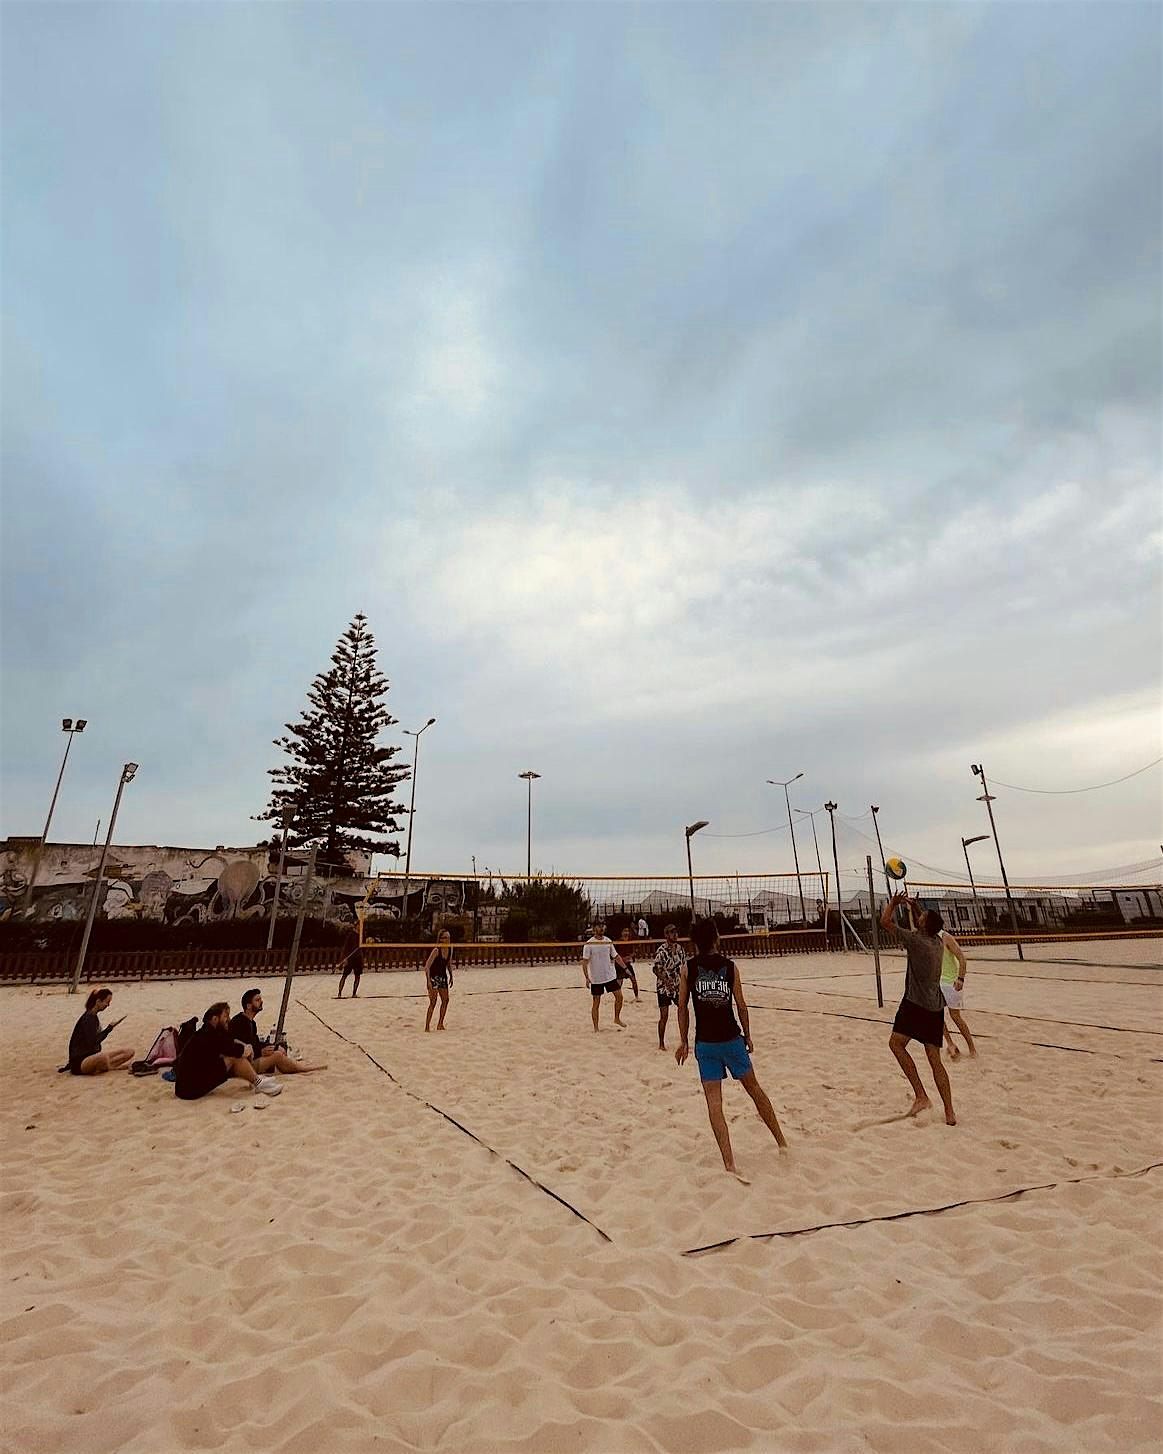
162	884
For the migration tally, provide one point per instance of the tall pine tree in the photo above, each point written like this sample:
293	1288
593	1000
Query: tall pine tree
339	782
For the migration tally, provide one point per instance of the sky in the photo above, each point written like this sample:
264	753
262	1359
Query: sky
690	396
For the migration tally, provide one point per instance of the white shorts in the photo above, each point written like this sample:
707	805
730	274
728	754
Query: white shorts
954	998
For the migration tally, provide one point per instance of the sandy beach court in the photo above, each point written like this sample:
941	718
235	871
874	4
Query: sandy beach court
488	1239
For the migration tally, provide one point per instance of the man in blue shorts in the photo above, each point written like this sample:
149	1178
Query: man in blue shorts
711	982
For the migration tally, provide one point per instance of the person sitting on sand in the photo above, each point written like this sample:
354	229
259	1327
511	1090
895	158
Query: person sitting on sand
438	978
350	962
212	1056
85	1054
669	963
599	970
953	967
711	981
921	1015
263	1056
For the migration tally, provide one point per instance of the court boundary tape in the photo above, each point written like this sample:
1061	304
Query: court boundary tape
452	1121
1008	1196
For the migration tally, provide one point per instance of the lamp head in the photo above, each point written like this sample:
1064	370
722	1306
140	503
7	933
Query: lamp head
875	807
694	827
830	807
975	768
66	724
80	724
980	838
129	772
431	722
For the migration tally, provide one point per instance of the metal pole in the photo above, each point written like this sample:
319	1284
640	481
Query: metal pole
830	809
293	958
875	931
529	829
795	854
126	776
965	842
278	882
36	857
880	845
988	800
96	831
411	820
690	873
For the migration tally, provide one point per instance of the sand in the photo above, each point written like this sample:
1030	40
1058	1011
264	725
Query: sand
344	1269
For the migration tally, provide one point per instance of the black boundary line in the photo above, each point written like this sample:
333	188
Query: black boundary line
1007	1015
977	1034
452	1121
1008	1196
992	973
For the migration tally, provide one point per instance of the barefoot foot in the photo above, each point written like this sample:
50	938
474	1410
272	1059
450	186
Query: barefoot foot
922	1103
950	1118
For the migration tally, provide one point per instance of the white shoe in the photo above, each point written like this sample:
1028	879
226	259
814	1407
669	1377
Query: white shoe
267	1085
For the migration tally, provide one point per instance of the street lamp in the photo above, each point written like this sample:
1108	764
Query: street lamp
70	728
288	819
805	813
773	783
412	809
127	775
987	798
965	842
530	778
880	845
690	831
830	809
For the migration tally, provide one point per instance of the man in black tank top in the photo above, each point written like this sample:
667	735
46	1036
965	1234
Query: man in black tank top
711	983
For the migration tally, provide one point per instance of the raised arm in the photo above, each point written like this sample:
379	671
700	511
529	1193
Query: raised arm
887	921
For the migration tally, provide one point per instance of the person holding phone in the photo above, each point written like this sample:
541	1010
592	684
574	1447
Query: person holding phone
85	1054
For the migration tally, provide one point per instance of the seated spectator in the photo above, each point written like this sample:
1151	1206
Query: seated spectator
85	1054
264	1055
213	1056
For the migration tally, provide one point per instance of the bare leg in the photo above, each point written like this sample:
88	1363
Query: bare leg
959	1021
941	1076
443	1009
713	1090
954	1053
355	984
898	1043
105	1061
618	1009
431	1007
663	1016
634	982
342	982
595	1005
240	1067
279	1060
763	1106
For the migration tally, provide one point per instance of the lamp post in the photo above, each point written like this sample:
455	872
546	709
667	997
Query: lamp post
987	798
830	809
127	775
773	783
70	729
530	778
690	831
412	809
880	845
805	813
965	842
288	818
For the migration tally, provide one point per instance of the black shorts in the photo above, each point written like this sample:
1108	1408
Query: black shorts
664	999
917	1023
438	981
610	987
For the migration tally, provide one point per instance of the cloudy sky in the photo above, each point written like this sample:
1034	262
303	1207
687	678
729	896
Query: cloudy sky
690	395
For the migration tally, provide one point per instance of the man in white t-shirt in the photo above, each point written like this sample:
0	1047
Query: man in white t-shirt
643	929
600	962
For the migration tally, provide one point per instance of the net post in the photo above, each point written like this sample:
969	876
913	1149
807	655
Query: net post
875	931
293	958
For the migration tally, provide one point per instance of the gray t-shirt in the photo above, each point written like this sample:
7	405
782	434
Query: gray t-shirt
923	973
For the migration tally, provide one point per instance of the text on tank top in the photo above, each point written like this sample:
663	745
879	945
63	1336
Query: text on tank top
711	980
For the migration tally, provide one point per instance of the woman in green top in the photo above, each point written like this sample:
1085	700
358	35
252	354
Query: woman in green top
953	988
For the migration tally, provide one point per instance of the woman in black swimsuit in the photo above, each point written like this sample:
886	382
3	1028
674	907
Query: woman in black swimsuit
438	978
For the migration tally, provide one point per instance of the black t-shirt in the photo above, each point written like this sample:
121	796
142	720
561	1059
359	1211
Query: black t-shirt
711	981
200	1066
243	1028
85	1039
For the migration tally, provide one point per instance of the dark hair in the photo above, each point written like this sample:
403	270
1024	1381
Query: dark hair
933	922
671	929
214	1010
250	995
704	933
94	996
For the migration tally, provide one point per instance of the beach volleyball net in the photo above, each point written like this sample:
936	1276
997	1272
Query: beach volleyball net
561	907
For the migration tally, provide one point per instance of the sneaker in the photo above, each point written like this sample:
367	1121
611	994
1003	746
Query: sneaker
267	1085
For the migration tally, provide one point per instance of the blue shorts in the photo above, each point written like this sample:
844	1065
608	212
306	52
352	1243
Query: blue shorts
717	1057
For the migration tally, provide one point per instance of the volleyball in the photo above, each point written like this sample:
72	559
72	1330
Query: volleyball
896	868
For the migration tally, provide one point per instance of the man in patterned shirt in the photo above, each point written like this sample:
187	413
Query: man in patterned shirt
669	963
